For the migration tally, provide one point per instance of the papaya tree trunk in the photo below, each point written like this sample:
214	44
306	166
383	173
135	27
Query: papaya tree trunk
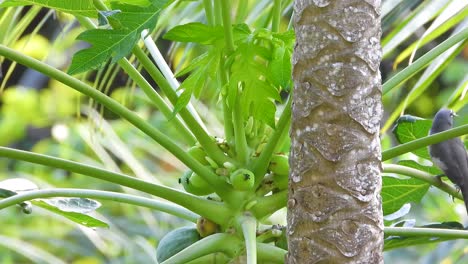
334	204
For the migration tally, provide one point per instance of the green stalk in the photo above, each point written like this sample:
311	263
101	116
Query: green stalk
270	254
226	9
155	98
218	14
101	195
227	111
275	23
205	140
209	12
261	164
240	139
425	232
424	141
423	61
424	176
221	242
206	208
223	189
248	224
242	9
21	26
268	204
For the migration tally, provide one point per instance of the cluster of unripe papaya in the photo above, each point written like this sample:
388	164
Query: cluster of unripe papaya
241	179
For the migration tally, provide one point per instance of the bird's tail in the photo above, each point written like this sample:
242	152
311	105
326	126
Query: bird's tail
464	191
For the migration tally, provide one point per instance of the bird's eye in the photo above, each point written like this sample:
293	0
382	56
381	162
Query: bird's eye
452	113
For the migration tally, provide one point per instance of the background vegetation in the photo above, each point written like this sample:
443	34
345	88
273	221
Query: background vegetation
42	115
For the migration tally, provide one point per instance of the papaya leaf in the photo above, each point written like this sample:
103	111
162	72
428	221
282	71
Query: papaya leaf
75	7
398	192
409	128
73	209
115	43
279	69
195	32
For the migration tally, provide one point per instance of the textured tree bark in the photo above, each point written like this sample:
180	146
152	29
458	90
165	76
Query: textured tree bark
334	205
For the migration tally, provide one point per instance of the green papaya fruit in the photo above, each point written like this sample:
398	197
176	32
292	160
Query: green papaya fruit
175	241
242	179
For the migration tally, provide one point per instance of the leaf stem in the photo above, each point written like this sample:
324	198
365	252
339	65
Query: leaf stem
424	141
227	110
269	253
209	12
154	97
101	195
261	164
223	189
218	13
206	208
275	24
242	9
248	224
221	242
268	204
425	232
205	140
424	176
240	140
423	61
226	9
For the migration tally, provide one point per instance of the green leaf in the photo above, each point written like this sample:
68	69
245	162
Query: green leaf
393	242
398	192
77	217
195	32
279	68
115	43
434	170
75	7
77	205
189	85
106	43
409	128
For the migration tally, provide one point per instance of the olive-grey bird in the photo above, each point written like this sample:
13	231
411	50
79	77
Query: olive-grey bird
450	155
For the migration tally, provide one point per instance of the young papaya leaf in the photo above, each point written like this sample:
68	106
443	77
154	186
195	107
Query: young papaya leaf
189	85
195	32
398	192
393	242
75	7
73	211
279	68
118	42
409	128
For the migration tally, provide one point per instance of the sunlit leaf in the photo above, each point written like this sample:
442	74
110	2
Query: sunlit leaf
195	32
398	192
115	43
76	217
75	7
409	128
